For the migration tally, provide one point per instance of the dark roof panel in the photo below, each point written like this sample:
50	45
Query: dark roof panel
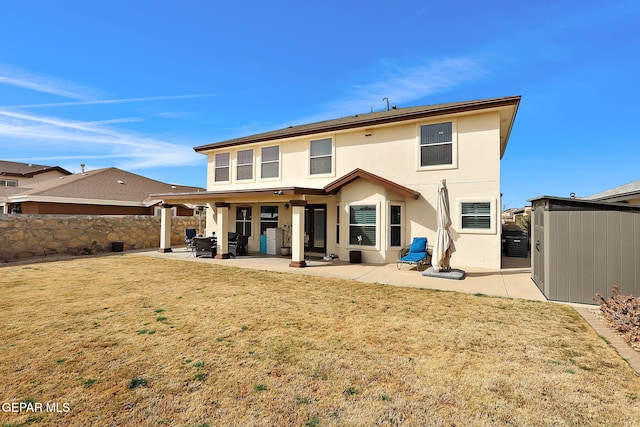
8	168
367	119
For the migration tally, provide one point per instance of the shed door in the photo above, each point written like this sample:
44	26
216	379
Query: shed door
538	246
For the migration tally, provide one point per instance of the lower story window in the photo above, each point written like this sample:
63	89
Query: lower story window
476	215
243	220
268	218
338	224
395	226
362	225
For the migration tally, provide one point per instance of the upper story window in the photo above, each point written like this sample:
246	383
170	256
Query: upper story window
221	173
270	166
8	183
321	156
245	165
436	144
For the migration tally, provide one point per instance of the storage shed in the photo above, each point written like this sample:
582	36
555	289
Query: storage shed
580	248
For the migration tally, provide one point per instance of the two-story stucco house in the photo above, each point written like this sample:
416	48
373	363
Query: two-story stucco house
366	182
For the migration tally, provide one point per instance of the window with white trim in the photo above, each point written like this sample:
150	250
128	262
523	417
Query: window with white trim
270	162
244	170
221	168
395	225
338	215
321	156
8	183
362	225
475	215
436	144
243	220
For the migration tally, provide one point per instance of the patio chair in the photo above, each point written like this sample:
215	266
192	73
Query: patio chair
416	253
238	244
189	235
205	247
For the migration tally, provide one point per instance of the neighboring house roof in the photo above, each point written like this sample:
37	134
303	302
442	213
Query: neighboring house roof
618	194
508	107
27	170
100	186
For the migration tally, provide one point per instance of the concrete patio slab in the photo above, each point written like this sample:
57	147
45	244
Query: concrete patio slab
509	282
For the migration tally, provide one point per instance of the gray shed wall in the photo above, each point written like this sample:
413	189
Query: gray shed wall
585	248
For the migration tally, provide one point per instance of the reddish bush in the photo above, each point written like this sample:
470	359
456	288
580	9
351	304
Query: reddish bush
622	313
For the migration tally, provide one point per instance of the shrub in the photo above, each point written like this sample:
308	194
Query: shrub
622	313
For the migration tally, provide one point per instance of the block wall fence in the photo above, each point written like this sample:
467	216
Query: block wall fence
24	236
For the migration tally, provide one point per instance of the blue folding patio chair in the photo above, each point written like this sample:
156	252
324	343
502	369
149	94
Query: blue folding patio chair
189	236
416	253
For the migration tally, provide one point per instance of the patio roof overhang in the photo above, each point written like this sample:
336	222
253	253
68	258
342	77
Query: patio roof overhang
338	184
293	192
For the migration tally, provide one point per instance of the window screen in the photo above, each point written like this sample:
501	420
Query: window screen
436	144
476	215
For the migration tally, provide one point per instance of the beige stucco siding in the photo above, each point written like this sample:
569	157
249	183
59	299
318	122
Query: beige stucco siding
392	152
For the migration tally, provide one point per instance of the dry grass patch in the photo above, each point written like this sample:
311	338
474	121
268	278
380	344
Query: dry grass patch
131	340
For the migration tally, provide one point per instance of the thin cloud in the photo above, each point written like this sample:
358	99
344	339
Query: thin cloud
108	101
84	139
17	77
403	84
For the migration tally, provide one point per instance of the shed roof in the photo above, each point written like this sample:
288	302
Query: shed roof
563	204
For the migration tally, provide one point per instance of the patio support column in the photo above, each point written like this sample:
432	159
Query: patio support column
165	229
297	233
222	218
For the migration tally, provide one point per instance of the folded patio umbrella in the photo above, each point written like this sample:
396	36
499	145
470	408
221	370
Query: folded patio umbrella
444	246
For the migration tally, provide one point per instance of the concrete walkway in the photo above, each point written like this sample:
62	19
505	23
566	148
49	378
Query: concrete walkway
512	281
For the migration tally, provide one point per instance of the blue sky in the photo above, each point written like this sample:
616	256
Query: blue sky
137	84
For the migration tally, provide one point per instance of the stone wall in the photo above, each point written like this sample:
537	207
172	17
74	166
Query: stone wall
23	236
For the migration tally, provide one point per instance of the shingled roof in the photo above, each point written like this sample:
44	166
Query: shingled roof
26	170
110	184
617	194
379	118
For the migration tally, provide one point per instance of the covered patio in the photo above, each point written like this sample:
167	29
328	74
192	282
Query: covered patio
290	202
309	219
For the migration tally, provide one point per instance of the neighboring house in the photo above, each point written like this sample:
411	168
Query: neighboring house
512	214
628	193
367	182
15	174
108	191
